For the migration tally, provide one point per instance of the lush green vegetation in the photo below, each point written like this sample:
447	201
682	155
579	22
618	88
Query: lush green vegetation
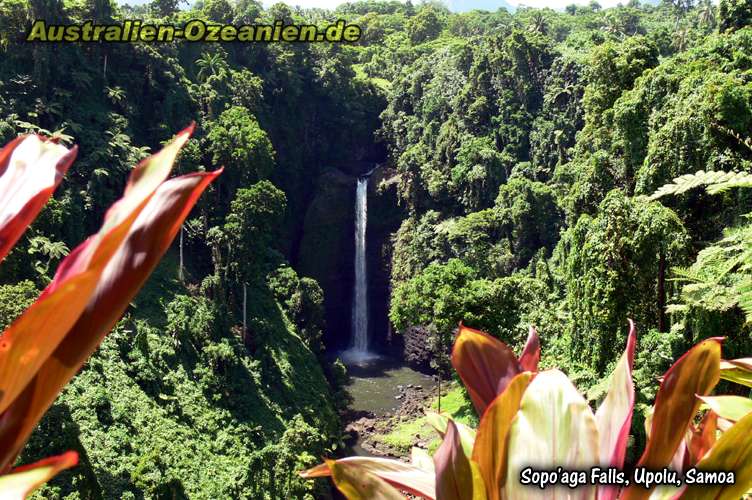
523	149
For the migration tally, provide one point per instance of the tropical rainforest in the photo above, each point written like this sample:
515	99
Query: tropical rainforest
524	175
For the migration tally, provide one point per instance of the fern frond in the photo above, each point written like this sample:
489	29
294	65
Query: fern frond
745	298
711	179
741	179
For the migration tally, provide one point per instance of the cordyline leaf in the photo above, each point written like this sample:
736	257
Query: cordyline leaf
531	353
485	365
490	450
738	371
148	239
553	427
31	167
614	415
358	484
703	437
31	339
732	452
421	459
407	477
23	480
440	422
732	408
695	373
456	477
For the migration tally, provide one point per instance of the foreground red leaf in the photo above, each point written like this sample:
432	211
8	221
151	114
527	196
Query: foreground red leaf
407	477
490	450
127	265
454	474
32	338
485	364
696	373
531	353
31	167
23	480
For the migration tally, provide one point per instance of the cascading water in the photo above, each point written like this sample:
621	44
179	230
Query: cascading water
358	350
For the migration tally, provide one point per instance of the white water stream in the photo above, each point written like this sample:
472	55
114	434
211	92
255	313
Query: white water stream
358	351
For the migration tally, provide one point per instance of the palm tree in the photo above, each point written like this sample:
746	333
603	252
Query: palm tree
681	40
612	26
209	65
539	23
706	14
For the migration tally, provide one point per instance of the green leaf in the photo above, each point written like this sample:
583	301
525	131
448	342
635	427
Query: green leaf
732	452
732	408
554	427
738	371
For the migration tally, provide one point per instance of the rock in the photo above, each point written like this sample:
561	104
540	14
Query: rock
385	215
415	348
326	243
398	396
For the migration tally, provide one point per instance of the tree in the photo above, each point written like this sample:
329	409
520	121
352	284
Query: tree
734	14
446	293
210	64
252	228
614	266
164	8
706	14
425	25
219	11
539	23
237	142
247	11
529	218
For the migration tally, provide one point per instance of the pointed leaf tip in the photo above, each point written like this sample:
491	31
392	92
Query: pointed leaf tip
31	167
485	364
25	479
696	372
531	352
137	231
368	478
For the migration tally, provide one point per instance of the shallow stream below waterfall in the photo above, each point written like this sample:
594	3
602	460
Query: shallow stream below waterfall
376	384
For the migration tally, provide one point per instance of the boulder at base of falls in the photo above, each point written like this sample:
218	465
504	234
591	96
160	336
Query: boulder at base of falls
415	348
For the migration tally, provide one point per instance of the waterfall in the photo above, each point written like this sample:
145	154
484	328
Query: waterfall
358	350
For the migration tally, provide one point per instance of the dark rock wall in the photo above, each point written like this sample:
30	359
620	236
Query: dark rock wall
327	250
384	218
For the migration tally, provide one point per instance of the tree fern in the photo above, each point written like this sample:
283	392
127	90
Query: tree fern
721	277
714	182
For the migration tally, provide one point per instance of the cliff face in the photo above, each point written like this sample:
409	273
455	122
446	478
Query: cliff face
384	218
327	248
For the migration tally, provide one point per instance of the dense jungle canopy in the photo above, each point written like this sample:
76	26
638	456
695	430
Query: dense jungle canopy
517	156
